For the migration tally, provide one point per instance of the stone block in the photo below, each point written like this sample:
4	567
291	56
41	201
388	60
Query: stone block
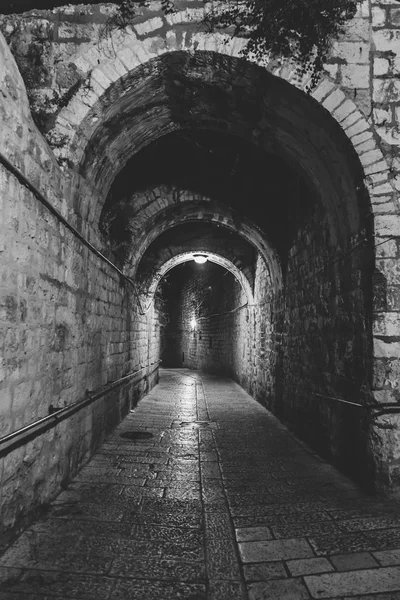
190	15
309	566
356	128
353	562
387	225
246	534
381	66
148	26
278	589
387	324
386	91
385	396
352	52
378	16
387	558
365	146
323	89
370	581
371	157
352	118
333	100
284	549
386	39
382	116
384	349
394	16
264	571
355	76
363	10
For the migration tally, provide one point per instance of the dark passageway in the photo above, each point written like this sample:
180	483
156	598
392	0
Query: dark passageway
201	494
128	151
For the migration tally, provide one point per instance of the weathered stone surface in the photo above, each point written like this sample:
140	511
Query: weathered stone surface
352	562
388	557
68	325
246	534
280	588
252	552
309	566
155	554
354	583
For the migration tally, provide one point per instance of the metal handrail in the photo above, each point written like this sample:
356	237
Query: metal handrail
384	408
339	400
20	437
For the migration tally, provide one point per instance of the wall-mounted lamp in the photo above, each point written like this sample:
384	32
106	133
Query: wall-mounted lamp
200	258
193	325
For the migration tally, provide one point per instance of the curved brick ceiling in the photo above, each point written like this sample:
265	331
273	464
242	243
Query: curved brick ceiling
201	237
208	92
179	259
144	228
251	184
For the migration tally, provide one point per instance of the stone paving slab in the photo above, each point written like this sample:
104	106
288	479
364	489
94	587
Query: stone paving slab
278	589
207	497
352	562
309	566
275	550
354	583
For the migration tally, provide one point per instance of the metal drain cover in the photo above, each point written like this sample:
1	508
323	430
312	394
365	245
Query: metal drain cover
136	435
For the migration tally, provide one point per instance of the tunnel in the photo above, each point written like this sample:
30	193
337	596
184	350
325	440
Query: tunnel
234	163
199	308
186	213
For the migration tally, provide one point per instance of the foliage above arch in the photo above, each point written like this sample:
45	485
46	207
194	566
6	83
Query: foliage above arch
300	29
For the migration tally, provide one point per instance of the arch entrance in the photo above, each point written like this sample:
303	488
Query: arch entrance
173	145
260	158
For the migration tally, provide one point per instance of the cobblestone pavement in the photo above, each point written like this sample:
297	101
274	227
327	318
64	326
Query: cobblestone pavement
200	494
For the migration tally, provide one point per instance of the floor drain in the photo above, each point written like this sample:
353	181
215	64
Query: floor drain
136	435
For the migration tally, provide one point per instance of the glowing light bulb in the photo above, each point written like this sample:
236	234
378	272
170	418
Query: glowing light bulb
193	324
199	258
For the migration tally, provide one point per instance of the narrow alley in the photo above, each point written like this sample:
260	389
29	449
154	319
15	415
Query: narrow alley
200	493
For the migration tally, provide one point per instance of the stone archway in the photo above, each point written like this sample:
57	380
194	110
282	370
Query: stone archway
337	152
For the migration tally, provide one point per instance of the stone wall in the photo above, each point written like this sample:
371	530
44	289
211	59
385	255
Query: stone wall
93	76
68	325
325	346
